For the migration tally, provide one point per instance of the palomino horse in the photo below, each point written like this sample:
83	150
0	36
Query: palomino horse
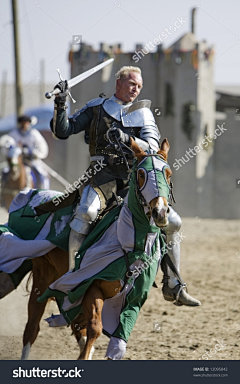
16	177
88	326
46	269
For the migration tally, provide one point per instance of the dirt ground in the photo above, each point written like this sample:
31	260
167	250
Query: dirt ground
210	266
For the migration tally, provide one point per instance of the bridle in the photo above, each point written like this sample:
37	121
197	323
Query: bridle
140	197
139	194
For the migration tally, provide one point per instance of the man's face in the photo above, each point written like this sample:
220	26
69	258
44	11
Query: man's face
24	125
129	88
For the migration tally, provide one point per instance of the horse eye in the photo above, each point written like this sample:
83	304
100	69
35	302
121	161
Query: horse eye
141	175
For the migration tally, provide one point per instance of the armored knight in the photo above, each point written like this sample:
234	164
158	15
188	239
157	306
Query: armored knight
105	122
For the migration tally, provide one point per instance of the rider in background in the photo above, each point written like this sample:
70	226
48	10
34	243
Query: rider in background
34	147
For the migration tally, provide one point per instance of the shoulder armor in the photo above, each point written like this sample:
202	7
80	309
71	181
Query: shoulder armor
95	102
113	108
138	115
91	103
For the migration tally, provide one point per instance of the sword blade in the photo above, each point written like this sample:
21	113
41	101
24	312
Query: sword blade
88	73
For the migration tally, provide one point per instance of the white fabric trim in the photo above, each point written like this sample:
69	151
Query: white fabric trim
158	163
15	250
116	348
23	197
56	321
20	200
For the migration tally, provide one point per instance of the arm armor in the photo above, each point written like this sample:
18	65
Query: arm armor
140	115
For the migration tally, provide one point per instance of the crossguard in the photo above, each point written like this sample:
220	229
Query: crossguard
56	91
59	74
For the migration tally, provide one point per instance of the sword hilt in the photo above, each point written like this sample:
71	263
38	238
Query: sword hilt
55	91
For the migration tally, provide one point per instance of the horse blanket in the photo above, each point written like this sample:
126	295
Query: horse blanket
101	257
26	235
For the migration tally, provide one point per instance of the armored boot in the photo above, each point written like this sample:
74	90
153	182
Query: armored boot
86	213
172	289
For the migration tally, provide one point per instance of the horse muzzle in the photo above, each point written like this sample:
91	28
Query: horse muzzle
160	216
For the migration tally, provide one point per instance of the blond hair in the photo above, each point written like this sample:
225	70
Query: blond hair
124	72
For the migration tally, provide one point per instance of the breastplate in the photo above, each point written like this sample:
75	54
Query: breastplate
102	121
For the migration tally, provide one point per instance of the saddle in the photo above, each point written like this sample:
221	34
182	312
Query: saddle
73	199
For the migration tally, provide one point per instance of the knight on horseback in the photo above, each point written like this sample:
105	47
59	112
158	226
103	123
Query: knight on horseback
108	125
34	147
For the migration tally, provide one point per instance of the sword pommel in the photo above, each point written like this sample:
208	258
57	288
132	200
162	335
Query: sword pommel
55	91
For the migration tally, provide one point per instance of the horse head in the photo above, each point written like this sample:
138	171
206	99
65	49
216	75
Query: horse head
15	160
13	154
152	177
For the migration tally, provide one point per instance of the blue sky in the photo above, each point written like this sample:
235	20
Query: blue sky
47	26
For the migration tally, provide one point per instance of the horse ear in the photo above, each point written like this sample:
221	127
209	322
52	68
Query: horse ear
139	152
164	149
165	146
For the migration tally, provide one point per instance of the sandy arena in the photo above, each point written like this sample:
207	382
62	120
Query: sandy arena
210	266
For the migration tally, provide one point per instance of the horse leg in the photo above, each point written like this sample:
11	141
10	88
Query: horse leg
79	329
42	277
35	312
92	306
81	337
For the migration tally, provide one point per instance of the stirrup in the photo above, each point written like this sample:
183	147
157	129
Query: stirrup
182	286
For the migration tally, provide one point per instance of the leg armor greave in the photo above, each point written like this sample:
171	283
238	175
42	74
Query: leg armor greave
86	213
173	241
172	288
